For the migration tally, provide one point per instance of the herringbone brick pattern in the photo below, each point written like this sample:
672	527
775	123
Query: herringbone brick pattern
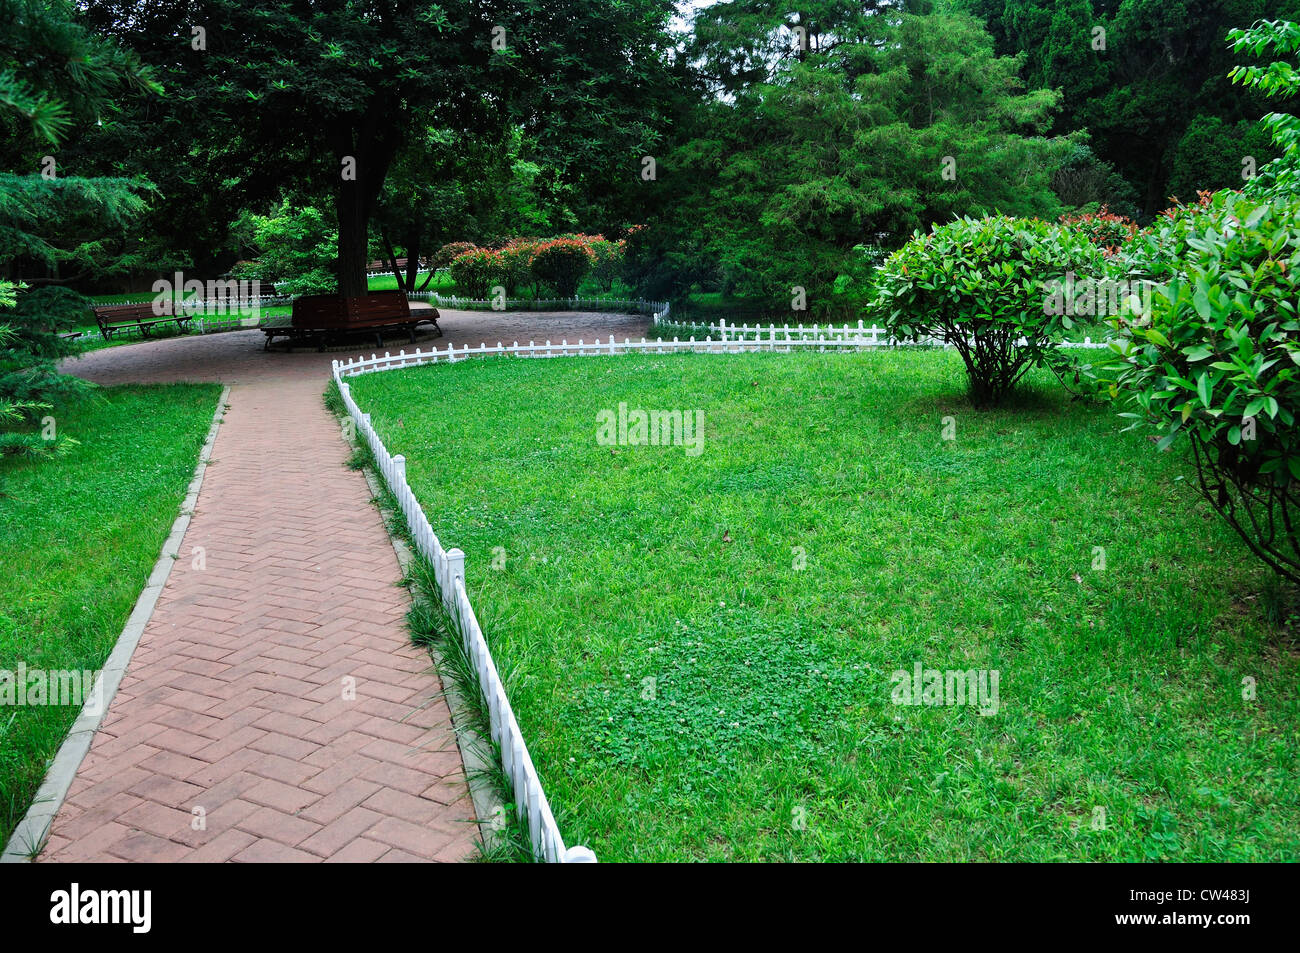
275	709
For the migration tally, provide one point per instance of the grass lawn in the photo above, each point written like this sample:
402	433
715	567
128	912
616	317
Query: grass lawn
441	282
79	536
687	693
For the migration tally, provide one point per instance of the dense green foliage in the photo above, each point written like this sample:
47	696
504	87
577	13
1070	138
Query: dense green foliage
1279	79
295	251
1154	100
901	121
1217	362
330	100
55	76
981	286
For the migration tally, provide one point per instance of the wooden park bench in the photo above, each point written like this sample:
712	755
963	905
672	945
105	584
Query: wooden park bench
113	319
320	317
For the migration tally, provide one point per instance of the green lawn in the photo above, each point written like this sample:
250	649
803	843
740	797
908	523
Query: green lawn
79	536
768	731
441	283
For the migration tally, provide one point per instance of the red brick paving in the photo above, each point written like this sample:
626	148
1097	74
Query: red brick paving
233	707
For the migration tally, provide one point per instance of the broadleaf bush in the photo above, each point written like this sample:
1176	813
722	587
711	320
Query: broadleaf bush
562	263
1218	362
980	285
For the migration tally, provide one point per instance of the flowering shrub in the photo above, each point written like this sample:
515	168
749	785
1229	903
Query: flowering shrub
1104	229
562	263
516	258
475	270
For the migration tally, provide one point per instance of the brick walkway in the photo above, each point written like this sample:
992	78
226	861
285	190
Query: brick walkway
235	706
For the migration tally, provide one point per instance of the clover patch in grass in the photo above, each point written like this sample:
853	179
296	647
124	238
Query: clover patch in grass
712	690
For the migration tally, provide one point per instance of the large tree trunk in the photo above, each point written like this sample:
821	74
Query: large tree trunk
371	146
354	229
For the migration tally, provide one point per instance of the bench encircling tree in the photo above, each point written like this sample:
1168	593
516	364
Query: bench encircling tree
321	318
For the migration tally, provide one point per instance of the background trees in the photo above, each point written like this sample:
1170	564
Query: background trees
323	101
768	146
888	121
56	78
1153	101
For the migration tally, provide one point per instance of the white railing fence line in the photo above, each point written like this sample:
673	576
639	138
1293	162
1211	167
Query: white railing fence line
449	571
873	336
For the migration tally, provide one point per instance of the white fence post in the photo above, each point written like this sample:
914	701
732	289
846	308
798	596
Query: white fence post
455	570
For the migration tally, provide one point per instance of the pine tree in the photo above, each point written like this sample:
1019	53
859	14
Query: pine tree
55	77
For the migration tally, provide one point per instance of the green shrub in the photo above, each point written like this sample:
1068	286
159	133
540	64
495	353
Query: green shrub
475	270
609	261
29	349
981	286
1158	252
15	411
1216	362
562	263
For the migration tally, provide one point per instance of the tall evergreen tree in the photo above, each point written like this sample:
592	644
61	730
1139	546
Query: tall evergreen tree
873	122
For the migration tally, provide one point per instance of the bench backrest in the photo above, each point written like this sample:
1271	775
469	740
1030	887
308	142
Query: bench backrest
334	311
379	306
320	311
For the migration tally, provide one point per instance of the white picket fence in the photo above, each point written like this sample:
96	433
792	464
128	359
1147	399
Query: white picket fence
859	334
449	569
